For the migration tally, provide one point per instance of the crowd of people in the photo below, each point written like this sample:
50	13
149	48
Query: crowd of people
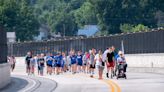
76	62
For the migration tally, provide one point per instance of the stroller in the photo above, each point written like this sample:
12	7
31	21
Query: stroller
121	73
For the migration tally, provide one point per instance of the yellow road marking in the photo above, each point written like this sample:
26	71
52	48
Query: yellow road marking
118	88
112	85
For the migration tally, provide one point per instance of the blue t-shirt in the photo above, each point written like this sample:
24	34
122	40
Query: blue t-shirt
73	59
58	59
80	59
49	60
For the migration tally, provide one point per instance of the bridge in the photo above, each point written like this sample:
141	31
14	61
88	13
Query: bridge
145	73
137	81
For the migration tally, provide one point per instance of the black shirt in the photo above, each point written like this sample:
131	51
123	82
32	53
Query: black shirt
28	58
110	56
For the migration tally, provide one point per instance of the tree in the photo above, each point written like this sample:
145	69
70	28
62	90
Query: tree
85	15
112	13
58	15
18	17
125	28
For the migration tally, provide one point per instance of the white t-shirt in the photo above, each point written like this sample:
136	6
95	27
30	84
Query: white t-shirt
104	56
98	58
121	59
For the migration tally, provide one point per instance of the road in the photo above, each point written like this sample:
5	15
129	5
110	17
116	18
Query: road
135	82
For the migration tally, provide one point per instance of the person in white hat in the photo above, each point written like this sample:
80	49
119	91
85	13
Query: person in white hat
122	59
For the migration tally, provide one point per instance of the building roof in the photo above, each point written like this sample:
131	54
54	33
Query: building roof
88	30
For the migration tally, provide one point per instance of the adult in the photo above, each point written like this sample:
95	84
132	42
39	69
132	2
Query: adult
121	59
110	63
85	61
12	62
49	61
79	61
99	64
58	63
115	58
32	64
41	62
92	62
73	62
64	63
104	56
27	62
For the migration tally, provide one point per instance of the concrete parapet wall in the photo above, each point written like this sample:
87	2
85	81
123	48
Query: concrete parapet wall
145	60
145	70
152	63
4	74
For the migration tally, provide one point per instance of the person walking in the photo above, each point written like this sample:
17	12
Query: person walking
92	62
12	62
85	61
41	64
73	62
110	63
27	62
79	61
99	64
32	65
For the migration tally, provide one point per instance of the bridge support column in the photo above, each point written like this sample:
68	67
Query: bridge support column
4	74
4	66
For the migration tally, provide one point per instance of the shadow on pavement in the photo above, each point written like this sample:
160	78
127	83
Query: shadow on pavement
16	85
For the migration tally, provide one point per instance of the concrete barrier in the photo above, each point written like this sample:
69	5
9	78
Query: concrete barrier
145	62
4	74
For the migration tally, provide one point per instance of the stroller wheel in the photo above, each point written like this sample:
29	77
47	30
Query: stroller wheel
125	76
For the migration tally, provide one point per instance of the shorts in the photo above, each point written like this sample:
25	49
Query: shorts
58	65
50	65
80	63
92	66
73	63
111	64
84	64
99	67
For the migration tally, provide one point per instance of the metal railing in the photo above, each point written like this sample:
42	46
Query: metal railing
141	42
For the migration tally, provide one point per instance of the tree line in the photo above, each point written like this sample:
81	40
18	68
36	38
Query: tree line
67	16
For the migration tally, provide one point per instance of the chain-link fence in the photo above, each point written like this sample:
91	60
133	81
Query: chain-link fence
141	42
3	46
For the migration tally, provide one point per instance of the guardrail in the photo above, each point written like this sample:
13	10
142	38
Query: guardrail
141	42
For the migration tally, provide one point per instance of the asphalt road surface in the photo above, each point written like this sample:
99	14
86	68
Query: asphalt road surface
135	82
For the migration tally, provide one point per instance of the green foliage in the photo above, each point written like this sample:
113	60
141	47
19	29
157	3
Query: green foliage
18	17
139	28
66	16
85	15
58	15
112	13
125	28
